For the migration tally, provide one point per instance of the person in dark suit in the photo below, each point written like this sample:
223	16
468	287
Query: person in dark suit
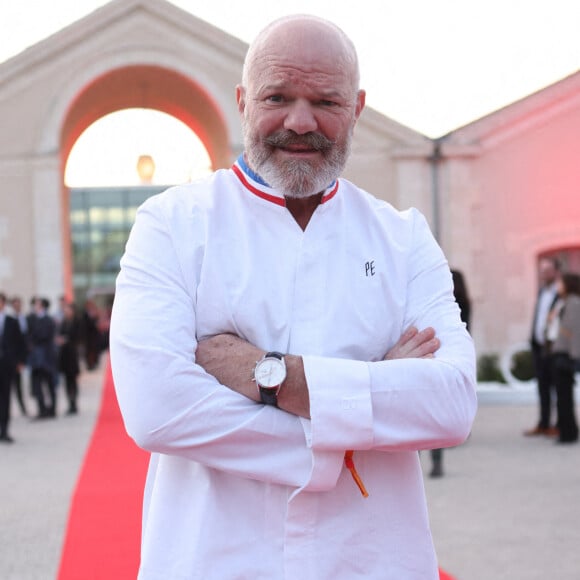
549	275
42	357
91	336
11	354
68	354
16	303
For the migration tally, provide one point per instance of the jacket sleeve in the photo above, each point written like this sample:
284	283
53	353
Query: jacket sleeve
170	404
405	404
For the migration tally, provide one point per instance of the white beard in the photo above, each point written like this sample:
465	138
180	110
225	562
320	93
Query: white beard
295	178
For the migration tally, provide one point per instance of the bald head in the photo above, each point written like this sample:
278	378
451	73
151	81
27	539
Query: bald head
303	30
299	102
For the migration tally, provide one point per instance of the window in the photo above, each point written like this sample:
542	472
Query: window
101	219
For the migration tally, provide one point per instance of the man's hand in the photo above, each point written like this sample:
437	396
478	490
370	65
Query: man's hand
415	344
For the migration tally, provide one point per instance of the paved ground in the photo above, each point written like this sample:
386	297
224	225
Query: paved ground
38	473
507	508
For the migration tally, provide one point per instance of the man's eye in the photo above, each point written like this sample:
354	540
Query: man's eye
326	103
275	98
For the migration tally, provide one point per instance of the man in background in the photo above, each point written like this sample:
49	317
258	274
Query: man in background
11	355
16	304
42	359
548	276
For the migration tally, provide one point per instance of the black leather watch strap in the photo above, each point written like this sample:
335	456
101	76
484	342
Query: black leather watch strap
269	396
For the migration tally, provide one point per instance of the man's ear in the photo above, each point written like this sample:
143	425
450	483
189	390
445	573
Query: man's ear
360	103
241	98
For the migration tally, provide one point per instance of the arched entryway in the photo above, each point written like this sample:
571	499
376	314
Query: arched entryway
141	86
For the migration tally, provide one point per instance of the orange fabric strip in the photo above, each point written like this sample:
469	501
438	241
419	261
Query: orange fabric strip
349	463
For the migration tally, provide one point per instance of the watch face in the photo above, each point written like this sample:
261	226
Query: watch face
270	372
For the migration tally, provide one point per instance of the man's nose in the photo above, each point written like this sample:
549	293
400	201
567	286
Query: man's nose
301	118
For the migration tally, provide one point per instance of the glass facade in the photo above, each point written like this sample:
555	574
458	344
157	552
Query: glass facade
100	222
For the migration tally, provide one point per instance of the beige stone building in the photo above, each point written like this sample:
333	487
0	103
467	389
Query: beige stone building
498	193
510	189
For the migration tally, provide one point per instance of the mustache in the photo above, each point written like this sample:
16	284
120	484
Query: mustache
312	140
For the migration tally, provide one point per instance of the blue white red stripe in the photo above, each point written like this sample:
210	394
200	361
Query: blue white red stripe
256	185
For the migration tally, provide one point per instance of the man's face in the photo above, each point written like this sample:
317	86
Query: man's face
298	113
548	273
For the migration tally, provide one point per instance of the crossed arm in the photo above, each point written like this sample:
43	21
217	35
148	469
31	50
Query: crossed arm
231	360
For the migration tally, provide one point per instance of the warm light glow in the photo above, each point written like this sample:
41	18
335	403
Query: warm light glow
105	153
145	168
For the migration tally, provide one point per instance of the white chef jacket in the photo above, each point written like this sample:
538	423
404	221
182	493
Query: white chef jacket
239	490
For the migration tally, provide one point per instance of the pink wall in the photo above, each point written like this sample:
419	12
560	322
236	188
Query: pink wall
526	179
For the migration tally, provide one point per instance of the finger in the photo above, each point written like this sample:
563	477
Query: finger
419	339
428	347
414	344
419	350
407	336
397	350
426	334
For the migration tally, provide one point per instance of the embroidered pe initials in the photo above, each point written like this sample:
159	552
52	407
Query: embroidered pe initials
370	268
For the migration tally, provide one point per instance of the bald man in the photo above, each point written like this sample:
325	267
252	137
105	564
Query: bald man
284	344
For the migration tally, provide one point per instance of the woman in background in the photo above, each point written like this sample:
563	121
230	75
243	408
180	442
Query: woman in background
565	356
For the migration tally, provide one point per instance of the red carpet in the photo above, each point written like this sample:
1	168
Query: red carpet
104	527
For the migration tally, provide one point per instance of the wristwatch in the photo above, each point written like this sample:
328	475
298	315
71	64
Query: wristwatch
269	374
